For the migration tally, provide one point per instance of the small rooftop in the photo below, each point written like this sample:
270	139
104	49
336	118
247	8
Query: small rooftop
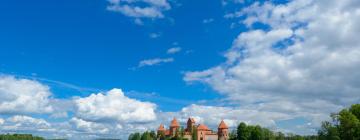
174	123
161	128
202	127
222	125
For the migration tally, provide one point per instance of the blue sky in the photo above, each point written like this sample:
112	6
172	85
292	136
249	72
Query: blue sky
84	44
272	63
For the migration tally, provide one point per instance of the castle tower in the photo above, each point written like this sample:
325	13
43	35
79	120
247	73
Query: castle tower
202	131
223	131
161	130
174	127
190	125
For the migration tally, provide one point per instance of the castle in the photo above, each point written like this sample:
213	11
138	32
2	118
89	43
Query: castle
203	132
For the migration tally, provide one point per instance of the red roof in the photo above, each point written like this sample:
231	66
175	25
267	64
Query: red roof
202	127
161	128
222	125
174	123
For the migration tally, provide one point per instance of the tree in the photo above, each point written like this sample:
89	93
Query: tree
255	132
345	126
280	136
355	109
349	125
328	132
232	135
134	136
242	132
194	133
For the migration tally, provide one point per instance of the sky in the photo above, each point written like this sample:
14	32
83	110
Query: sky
91	69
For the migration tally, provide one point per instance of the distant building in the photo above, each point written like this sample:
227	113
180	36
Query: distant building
203	132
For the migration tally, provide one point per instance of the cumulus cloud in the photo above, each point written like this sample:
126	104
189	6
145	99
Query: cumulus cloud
21	96
306	60
212	115
114	106
25	123
155	61
173	50
140	8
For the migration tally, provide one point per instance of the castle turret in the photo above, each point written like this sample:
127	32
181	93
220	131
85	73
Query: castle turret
223	131
161	129
190	125
174	127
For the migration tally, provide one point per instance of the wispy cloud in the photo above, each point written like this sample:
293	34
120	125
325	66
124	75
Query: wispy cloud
59	83
173	50
155	61
154	35
153	9
209	20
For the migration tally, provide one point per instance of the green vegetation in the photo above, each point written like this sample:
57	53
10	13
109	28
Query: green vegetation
345	125
255	132
19	137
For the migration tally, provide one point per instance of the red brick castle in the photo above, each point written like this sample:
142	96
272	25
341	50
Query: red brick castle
203	132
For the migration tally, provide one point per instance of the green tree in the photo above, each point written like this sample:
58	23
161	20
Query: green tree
349	125
194	133
328	132
280	136
345	126
243	132
232	135
255	132
134	136
355	109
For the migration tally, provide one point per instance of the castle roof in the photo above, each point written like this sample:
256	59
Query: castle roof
174	123
202	127
161	128
222	125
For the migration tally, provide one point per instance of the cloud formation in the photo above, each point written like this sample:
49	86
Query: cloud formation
140	8
173	50
155	61
23	96
114	106
309	61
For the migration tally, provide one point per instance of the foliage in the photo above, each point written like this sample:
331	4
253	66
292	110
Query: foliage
194	133
256	132
345	125
19	137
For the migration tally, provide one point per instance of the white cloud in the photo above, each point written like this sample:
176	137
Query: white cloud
114	106
304	60
140	8
20	96
209	20
155	61
90	127
25	123
154	35
173	50
2	121
212	115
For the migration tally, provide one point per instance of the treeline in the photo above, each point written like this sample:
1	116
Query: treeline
143	136
256	132
19	137
345	125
